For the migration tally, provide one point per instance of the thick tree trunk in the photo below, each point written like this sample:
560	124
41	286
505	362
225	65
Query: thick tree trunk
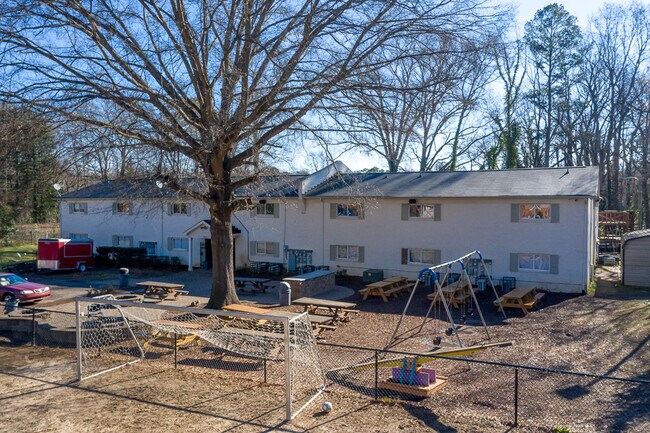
223	272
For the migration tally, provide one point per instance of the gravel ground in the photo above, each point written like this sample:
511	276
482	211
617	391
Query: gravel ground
602	334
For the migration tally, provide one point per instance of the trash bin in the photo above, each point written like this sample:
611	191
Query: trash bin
124	278
284	292
373	275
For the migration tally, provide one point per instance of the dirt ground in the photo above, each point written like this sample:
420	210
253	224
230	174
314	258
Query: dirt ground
604	333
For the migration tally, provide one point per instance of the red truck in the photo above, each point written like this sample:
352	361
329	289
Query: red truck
65	254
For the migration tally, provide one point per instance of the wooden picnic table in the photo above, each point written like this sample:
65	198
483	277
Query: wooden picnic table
340	310
393	286
454	293
318	322
395	279
162	290
520	297
255	284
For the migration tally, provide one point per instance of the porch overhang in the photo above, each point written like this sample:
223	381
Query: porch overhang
205	225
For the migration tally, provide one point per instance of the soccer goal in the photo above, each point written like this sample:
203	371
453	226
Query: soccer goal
276	349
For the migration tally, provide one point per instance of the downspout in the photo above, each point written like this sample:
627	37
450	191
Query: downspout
585	278
248	237
322	216
283	253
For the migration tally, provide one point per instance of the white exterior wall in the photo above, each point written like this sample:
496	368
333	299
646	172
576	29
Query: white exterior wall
465	225
144	224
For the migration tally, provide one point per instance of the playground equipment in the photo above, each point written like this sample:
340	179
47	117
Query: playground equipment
414	379
444	300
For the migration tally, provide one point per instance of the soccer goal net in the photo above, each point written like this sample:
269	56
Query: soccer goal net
275	349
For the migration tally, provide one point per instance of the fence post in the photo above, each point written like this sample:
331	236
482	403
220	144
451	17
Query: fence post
265	377
175	352
77	310
376	374
33	326
516	396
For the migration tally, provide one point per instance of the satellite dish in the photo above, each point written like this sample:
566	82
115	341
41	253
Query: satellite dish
159	184
58	186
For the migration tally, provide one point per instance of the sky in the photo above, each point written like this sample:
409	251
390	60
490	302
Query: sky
581	9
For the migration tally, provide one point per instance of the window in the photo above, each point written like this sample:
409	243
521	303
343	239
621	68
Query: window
180	208
534	262
424	211
265	209
421	211
534	212
348	210
122	241
421	256
178	244
150	247
78	235
78	208
348	253
263	248
122	207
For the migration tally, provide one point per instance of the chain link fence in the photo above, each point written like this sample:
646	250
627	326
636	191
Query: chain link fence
492	393
37	326
508	394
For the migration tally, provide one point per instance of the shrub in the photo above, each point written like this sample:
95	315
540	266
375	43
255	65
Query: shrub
120	256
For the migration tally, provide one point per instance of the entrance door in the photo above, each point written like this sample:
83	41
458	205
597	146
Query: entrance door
208	254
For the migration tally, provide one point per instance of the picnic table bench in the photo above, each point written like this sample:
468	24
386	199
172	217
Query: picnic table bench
161	290
393	286
318	322
340	310
184	338
454	294
255	284
520	297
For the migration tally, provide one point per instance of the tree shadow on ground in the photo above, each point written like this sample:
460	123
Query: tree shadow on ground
427	416
79	387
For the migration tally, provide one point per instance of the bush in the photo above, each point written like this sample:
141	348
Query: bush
120	256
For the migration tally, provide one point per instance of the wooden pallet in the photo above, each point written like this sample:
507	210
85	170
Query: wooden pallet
415	390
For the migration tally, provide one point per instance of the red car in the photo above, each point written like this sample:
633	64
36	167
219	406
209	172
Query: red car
13	287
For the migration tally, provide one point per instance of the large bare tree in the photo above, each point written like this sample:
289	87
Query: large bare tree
217	81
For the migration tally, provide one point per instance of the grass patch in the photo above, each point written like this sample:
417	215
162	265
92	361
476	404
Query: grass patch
17	253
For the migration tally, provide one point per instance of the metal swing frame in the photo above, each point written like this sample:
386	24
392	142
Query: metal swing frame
438	287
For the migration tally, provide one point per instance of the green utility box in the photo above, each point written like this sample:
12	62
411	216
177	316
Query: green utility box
373	275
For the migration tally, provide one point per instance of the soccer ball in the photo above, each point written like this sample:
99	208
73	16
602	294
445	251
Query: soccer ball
327	407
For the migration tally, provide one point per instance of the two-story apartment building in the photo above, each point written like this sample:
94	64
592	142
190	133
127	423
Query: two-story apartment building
537	225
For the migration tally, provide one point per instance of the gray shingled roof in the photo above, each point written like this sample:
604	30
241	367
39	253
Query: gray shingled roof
539	182
123	189
269	186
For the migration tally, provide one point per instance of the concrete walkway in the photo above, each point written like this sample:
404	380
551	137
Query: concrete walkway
197	282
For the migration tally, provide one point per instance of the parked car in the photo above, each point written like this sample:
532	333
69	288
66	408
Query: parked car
13	287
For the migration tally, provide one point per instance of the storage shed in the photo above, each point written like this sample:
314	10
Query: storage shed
635	258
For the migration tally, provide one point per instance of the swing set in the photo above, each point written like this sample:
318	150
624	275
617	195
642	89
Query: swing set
446	296
410	375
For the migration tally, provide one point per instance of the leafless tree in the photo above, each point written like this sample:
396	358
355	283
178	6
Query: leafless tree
216	81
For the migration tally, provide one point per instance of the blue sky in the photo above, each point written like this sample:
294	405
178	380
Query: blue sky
582	9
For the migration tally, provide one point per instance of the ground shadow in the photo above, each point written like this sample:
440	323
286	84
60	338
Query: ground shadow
427	416
76	386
